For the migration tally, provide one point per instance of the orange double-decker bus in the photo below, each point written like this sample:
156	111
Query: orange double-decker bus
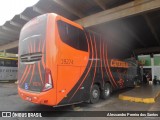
62	63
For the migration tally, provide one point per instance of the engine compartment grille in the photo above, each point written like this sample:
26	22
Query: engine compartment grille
32	57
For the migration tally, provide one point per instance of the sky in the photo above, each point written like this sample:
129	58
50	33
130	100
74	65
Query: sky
9	8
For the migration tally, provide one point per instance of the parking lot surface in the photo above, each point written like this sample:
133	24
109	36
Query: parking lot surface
10	101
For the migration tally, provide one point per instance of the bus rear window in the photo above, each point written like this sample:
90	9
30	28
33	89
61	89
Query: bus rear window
33	34
72	36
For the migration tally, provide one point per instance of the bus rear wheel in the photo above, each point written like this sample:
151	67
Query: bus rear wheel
94	94
106	92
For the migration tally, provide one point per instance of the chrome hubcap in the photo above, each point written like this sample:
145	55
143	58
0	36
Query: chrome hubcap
107	92
95	93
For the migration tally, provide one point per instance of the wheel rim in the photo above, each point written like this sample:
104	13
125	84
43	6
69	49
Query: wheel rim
107	92
95	93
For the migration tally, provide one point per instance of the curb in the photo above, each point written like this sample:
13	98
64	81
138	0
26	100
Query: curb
137	99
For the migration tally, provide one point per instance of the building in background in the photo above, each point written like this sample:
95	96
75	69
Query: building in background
151	65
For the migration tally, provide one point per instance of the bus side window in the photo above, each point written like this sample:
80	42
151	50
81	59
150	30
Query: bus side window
72	36
62	31
7	63
68	34
14	63
82	41
1	62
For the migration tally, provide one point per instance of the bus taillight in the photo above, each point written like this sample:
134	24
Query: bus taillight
48	80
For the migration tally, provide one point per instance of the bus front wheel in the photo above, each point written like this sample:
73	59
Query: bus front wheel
106	91
94	94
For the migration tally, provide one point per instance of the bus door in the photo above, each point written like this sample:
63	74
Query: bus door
72	61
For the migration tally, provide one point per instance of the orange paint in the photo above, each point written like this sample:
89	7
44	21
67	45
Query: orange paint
64	69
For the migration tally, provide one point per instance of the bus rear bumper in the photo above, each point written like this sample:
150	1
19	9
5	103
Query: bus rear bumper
37	97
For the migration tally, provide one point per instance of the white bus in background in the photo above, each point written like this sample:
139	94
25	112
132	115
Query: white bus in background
8	67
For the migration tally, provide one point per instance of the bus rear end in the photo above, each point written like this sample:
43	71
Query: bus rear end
35	79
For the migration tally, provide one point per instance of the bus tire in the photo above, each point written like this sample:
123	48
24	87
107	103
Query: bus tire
94	94
106	92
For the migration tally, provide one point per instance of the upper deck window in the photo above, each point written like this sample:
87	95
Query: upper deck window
72	36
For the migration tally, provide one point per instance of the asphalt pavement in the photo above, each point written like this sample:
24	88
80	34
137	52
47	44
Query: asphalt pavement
10	101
